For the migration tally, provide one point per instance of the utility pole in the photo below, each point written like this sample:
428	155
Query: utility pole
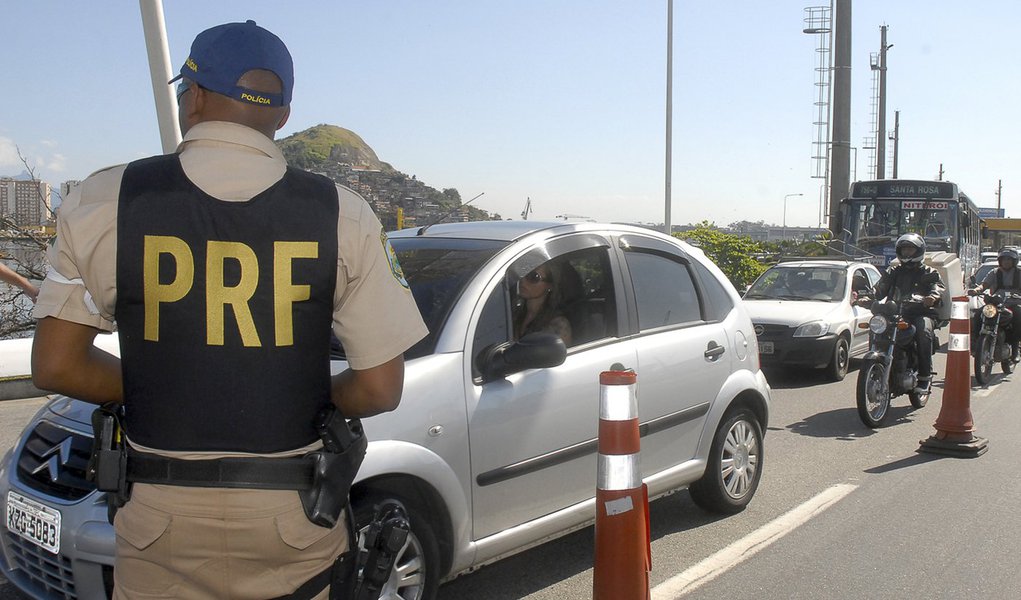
896	140
881	122
999	196
940	171
840	157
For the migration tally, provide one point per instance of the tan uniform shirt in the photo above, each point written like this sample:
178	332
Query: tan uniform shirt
271	547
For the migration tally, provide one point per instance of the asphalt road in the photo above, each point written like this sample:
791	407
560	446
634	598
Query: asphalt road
842	512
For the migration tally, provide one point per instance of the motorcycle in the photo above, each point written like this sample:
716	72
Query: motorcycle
890	367
991	345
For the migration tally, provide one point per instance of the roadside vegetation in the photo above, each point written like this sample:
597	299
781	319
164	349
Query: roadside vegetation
741	258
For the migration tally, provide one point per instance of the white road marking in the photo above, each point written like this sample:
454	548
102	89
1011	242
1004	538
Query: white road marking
746	547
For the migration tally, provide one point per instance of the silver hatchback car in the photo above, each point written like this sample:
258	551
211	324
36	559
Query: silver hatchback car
493	448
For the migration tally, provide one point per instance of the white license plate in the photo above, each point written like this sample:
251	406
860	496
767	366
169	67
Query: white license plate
36	523
765	347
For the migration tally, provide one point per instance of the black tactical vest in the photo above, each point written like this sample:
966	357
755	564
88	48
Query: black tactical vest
224	310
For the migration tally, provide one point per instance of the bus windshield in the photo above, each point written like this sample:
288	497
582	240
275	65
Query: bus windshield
876	213
875	225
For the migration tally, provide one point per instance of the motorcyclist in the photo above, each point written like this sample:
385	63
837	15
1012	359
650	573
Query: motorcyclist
1006	277
902	281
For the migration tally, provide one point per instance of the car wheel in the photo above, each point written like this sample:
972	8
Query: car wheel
415	574
837	368
734	466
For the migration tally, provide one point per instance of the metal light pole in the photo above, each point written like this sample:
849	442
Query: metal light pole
155	31
785	212
667	228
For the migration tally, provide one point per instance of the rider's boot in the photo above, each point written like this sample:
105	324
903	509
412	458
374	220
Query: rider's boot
923	386
1015	355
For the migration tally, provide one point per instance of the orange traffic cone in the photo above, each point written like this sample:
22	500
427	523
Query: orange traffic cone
623	552
955	425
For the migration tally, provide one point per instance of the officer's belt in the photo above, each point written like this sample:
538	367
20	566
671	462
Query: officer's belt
293	473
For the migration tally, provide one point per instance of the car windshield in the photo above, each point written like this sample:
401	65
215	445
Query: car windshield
824	284
437	269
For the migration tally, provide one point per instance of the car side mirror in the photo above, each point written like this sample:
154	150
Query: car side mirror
532	351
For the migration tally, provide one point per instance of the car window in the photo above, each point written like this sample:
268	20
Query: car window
664	290
578	303
494	326
874	276
860	281
718	302
580	306
437	270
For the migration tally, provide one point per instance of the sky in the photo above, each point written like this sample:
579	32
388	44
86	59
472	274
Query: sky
562	102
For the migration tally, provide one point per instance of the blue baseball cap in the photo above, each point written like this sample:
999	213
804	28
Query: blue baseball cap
222	54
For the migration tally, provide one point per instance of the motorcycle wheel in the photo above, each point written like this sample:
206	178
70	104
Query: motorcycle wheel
873	394
984	360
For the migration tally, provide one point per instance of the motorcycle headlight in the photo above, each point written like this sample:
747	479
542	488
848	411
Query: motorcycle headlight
813	329
989	311
878	324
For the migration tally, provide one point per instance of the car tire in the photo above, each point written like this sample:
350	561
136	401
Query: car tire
416	572
840	360
734	465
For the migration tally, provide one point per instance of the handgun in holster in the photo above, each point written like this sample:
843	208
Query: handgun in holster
109	459
334	467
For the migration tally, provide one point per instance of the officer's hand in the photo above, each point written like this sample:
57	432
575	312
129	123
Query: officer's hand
928	301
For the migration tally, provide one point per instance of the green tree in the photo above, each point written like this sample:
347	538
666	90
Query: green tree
733	254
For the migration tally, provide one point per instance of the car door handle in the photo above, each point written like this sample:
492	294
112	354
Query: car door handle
714	351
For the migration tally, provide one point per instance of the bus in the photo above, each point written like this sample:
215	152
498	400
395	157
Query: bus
876	213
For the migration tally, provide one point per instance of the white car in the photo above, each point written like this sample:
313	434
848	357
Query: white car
804	316
493	448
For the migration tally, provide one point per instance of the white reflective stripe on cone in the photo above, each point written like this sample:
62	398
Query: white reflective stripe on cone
959	310
617	403
618	472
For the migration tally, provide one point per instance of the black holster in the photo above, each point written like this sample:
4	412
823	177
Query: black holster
335	467
109	459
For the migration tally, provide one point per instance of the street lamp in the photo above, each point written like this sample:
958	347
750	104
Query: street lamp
785	212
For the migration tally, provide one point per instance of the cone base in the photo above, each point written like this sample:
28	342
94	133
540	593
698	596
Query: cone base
969	448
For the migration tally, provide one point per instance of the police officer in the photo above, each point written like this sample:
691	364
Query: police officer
223	270
909	278
1005	277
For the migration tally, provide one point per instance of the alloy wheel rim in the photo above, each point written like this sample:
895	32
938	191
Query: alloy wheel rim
740	459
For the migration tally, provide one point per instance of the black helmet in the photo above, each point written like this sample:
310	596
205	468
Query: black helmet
1007	252
910	248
